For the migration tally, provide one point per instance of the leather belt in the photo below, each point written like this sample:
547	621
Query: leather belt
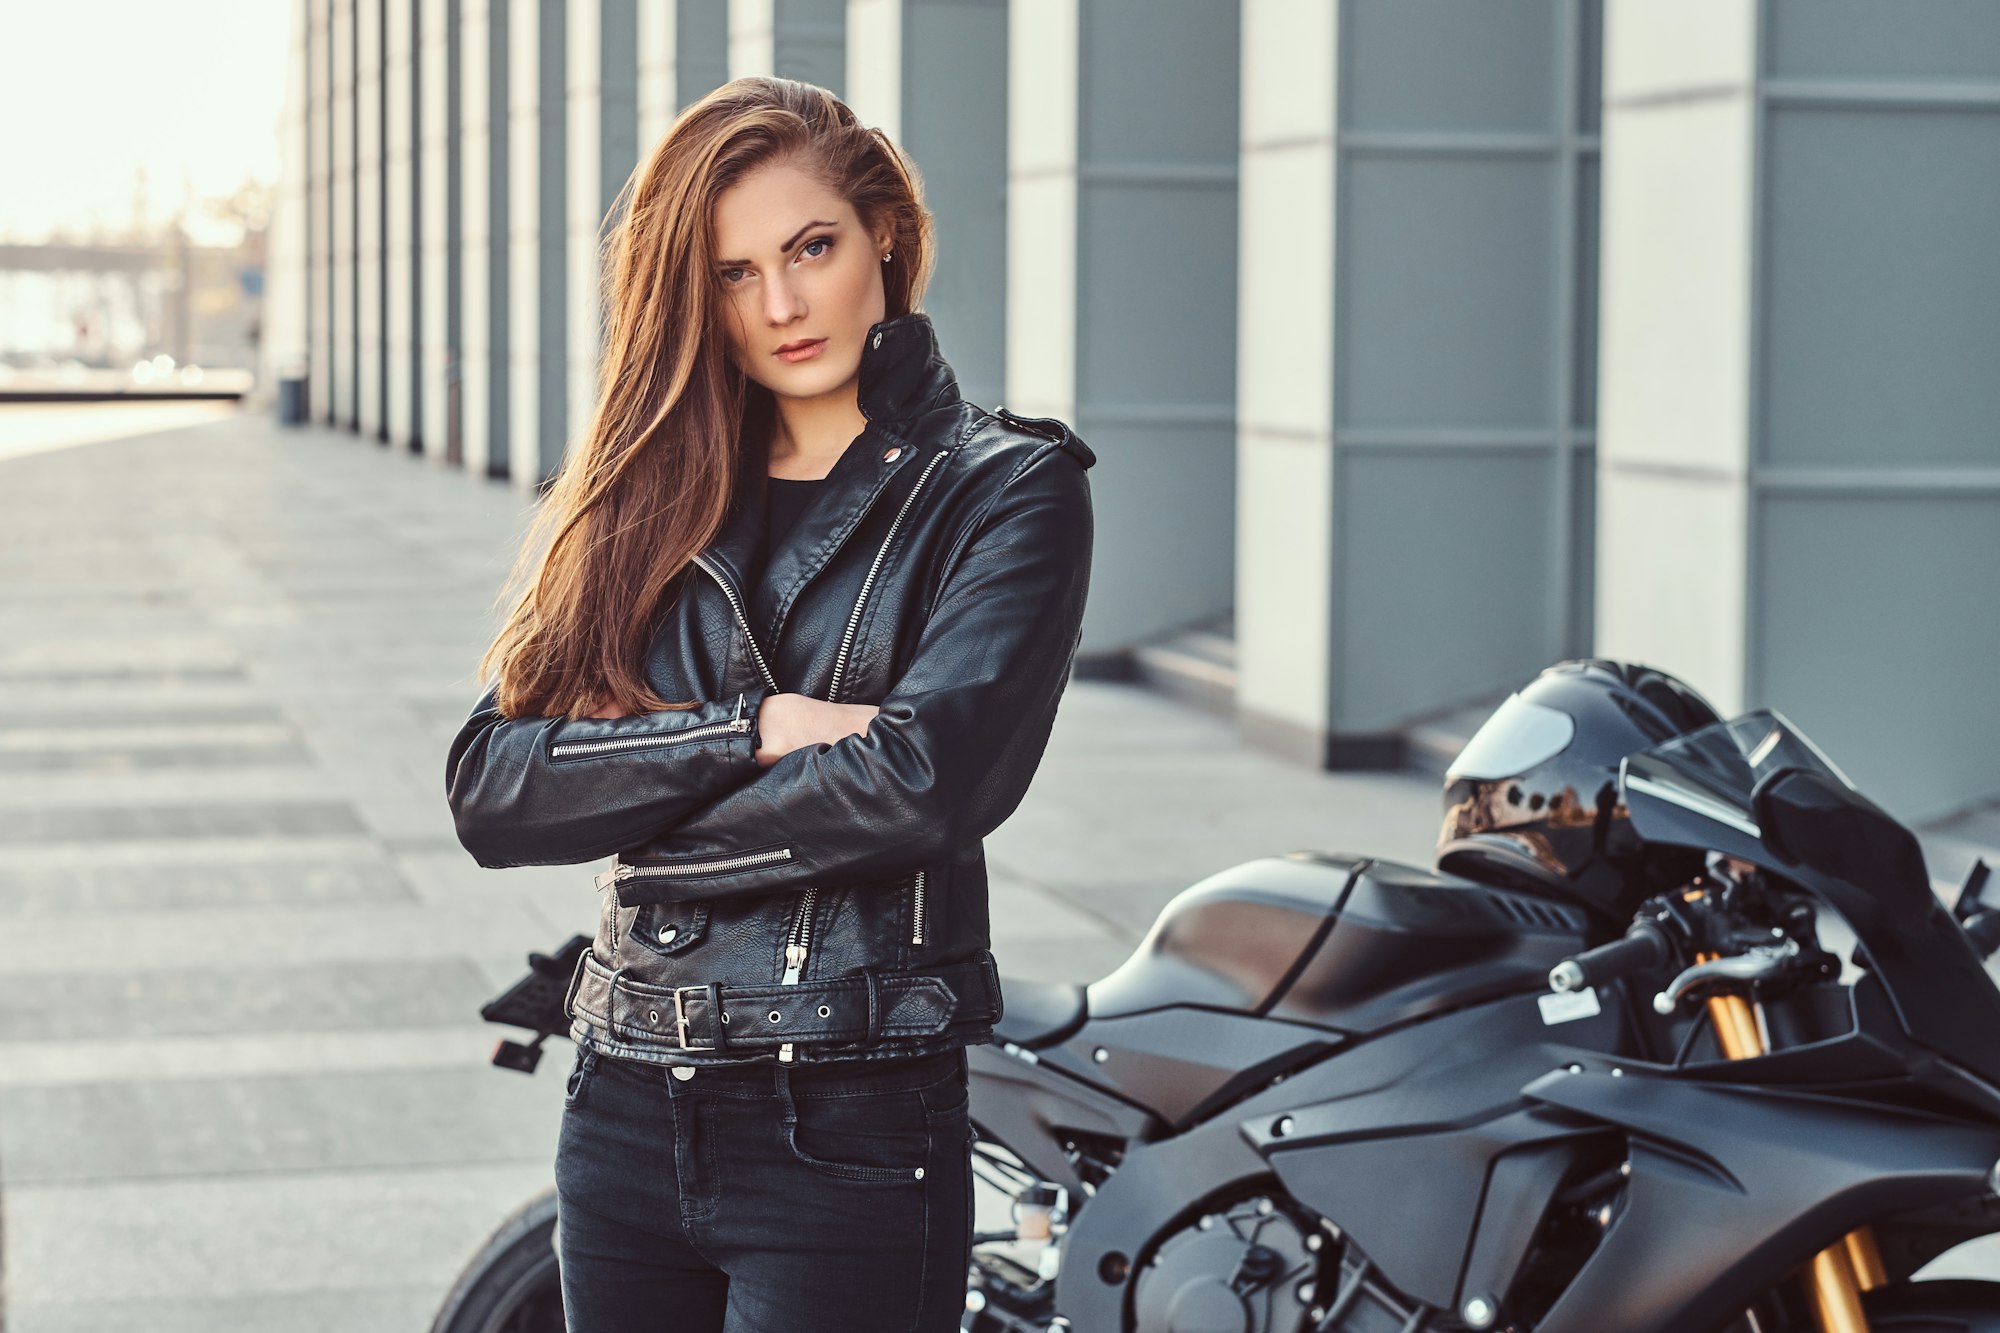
715	1017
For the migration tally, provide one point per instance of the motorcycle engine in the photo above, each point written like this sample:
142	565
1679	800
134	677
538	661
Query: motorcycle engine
1245	1269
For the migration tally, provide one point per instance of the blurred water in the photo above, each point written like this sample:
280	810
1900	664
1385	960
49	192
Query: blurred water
39	314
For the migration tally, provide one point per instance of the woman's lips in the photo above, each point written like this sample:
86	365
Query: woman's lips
805	353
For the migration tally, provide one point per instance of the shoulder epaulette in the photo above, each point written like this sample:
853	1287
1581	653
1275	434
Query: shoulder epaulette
1050	428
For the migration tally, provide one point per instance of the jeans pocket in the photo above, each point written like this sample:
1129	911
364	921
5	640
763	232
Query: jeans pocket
579	1077
876	1138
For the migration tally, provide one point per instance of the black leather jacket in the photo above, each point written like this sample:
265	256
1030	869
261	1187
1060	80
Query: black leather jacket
834	905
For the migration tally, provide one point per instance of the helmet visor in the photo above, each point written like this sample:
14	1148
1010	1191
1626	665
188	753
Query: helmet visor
1517	737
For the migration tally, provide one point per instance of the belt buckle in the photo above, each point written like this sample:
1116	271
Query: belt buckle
681	1020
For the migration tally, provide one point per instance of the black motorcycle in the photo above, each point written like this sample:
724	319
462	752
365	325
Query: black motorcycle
1340	1094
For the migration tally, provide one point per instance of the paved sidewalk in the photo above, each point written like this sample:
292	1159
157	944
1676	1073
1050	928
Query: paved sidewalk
243	1083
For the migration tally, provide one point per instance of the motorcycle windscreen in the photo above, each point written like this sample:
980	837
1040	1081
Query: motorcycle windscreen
1700	791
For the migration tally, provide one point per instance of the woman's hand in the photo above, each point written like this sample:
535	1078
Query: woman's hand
786	722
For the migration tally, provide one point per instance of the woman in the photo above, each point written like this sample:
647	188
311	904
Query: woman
790	638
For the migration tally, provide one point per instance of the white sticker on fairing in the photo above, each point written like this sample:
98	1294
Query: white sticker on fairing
1566	1006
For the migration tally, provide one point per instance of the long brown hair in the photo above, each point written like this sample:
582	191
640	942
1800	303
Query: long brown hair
650	480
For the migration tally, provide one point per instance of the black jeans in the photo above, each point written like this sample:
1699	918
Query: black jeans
765	1198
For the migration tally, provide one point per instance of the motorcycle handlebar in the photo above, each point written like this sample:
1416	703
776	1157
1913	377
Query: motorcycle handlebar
1644	946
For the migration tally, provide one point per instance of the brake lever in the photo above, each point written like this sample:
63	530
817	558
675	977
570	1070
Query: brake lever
1760	962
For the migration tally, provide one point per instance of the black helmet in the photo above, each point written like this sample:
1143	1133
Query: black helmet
1532	801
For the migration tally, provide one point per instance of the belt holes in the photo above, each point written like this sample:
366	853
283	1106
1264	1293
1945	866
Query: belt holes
824	1011
774	1015
652	1015
725	1015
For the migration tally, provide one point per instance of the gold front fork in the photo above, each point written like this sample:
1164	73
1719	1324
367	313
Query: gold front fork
1842	1271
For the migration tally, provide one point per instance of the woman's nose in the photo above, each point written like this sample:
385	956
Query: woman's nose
781	302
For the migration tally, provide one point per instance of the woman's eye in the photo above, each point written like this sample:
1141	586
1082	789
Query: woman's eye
817	240
727	272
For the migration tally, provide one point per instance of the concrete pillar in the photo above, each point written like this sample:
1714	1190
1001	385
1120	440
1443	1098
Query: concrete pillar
537	253
922	70
319	208
1414	448
285	339
370	268
483	224
1799	473
603	129
1121	285
345	345
683	53
404	205
794	39
439	256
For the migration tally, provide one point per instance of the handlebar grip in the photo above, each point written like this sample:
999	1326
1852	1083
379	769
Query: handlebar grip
1643	947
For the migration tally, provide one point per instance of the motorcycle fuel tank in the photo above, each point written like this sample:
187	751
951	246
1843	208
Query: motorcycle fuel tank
1353	944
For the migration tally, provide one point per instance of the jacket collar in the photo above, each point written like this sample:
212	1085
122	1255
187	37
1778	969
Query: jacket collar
902	378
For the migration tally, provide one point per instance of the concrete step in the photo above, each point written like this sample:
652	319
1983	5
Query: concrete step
1196	665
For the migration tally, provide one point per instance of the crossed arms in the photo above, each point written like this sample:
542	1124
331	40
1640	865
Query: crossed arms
945	761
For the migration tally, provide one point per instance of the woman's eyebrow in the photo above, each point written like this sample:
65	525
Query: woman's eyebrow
794	240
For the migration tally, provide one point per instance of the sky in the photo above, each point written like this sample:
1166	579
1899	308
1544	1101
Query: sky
91	90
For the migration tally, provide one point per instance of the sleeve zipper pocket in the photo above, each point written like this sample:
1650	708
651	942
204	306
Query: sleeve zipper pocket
568	750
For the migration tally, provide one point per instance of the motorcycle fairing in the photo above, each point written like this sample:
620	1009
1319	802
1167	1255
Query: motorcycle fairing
1030	1109
1463	1070
1179	1063
1741	1185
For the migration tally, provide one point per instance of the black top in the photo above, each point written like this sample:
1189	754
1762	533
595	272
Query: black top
785	499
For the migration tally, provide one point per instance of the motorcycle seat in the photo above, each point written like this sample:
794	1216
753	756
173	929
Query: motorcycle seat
1039	1013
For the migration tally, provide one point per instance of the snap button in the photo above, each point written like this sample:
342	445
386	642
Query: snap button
876	341
683	1072
920	1173
893	454
667	934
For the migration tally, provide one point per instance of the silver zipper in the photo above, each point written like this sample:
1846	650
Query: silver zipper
917	914
854	617
738	724
741	619
627	871
797	942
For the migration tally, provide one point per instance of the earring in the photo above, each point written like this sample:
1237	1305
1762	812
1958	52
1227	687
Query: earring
885	258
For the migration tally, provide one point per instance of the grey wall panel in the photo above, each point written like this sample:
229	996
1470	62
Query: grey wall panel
1882	323
1441	578
1167	478
618	94
1589	66
552	239
1583	295
1138	281
1135	49
701	48
1447	315
1581	583
809	41
1894	685
1448	65
959	142
1867	39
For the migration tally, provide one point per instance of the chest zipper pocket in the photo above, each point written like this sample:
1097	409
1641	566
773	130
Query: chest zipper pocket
917	909
797	941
